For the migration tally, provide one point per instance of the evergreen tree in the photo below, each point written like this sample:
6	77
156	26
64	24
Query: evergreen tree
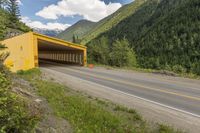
73	39
77	39
98	51
14	12
3	3
3	23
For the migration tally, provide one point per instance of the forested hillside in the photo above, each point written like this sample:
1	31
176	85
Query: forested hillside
77	30
112	20
85	31
9	21
164	35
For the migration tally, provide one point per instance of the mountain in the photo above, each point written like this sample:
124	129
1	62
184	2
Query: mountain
165	34
112	20
86	30
52	33
78	29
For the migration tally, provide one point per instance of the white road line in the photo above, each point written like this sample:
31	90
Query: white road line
134	84
144	99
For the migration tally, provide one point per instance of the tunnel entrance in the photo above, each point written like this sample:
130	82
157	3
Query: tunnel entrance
48	51
59	51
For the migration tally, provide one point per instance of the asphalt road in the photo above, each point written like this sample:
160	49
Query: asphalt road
176	93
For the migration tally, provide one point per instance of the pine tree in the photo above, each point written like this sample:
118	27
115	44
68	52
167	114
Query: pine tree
74	39
13	9
3	23
3	3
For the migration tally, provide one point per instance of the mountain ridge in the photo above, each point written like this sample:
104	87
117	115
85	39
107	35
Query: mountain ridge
78	29
112	20
52	33
101	26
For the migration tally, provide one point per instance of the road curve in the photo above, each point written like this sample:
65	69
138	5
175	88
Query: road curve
173	92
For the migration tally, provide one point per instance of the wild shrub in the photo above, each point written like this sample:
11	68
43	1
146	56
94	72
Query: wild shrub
179	69
14	115
122	55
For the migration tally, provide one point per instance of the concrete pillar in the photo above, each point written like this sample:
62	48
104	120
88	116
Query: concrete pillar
85	57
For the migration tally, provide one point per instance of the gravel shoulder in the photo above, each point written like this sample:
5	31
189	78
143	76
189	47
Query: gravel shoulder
151	112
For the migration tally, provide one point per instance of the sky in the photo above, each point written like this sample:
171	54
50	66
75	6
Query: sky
60	14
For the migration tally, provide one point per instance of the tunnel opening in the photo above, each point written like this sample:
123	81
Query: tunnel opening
54	52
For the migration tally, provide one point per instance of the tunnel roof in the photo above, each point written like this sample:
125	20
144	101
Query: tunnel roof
58	41
52	40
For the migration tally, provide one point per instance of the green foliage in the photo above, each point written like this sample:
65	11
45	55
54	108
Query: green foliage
3	23
178	69
3	3
85	115
163	33
87	30
117	54
167	129
88	114
196	68
79	29
14	13
111	21
13	112
98	51
75	39
3	56
30	74
9	21
172	39
14	116
121	55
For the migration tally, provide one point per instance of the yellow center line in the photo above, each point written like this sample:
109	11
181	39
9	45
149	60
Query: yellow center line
137	85
165	80
180	83
177	82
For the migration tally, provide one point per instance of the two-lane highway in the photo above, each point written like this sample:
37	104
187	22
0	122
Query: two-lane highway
175	93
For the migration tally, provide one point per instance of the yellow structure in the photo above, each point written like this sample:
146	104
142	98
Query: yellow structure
28	49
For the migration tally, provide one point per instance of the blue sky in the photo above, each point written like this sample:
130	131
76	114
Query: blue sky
60	14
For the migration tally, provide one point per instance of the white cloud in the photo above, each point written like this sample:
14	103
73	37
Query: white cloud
19	2
93	10
47	26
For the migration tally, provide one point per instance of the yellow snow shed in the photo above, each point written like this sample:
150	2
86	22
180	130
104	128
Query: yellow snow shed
27	50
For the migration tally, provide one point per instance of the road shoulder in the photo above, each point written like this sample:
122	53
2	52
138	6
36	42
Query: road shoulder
150	111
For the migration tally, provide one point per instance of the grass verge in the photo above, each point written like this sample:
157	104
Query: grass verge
87	114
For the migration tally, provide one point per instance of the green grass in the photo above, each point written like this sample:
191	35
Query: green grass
31	74
84	115
87	114
167	129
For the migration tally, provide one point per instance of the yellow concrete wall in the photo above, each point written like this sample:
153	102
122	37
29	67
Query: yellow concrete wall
21	52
